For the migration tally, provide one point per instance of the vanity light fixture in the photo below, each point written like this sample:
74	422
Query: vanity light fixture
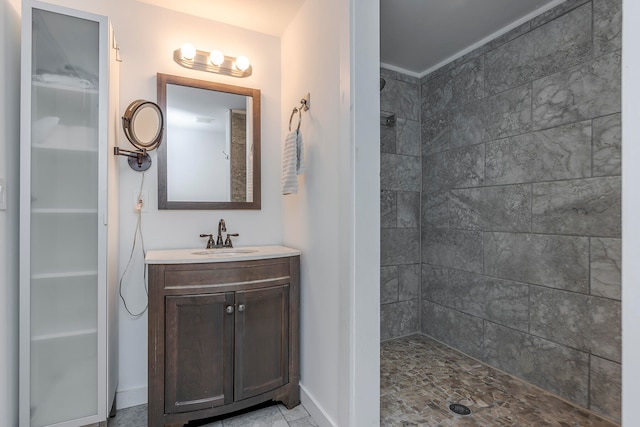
213	62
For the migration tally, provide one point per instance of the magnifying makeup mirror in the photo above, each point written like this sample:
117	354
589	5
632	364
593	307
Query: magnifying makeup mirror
143	125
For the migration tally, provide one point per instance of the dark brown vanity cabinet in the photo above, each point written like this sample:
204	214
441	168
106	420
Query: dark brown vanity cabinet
222	337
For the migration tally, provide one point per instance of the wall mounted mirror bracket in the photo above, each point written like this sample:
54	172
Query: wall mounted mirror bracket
143	125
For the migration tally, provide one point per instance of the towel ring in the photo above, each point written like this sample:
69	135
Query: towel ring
299	111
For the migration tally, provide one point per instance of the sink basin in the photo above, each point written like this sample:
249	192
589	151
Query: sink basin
225	252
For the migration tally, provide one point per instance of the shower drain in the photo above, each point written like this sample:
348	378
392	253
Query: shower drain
459	409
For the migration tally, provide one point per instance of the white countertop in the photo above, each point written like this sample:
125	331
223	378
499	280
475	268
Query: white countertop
200	255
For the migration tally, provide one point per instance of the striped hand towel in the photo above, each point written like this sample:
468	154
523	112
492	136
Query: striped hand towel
292	162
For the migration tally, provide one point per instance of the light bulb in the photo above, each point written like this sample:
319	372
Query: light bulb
188	51
242	63
216	57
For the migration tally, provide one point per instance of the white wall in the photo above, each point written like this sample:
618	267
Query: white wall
630	212
334	219
9	158
147	37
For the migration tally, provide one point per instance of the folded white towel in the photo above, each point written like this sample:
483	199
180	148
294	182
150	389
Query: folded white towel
292	162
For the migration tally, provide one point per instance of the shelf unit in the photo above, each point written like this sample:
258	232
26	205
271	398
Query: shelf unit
69	217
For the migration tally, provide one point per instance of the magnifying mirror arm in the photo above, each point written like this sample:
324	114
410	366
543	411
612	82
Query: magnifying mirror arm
139	155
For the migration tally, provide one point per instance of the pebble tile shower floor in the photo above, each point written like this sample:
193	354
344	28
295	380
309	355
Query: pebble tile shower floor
420	377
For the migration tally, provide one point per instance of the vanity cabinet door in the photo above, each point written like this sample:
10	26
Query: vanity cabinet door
262	340
199	351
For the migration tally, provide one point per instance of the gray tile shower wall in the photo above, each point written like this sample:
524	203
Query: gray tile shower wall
400	184
520	203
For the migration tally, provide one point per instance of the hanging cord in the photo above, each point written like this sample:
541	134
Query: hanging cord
137	231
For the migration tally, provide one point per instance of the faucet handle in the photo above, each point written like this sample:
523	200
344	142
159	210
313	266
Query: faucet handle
227	241
210	242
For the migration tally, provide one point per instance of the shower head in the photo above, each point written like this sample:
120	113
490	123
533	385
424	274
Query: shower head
382	83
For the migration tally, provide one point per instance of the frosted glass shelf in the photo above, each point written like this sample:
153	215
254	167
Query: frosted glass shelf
65	148
63	275
64	335
64	211
65	88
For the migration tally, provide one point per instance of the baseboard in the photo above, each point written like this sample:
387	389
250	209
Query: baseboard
131	397
315	410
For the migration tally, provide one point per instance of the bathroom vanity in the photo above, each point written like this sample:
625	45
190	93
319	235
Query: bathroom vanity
223	331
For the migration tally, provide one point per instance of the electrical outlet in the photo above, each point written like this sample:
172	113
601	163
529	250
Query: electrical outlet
140	205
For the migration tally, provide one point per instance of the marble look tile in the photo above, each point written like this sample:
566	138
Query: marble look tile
297	413
587	207
561	43
400	173
437	95
388	284
607	145
451	67
557	261
498	116
453	248
388	74
303	422
419	376
433	277
468	81
607	26
459	168
505	208
269	416
409	209
579	93
606	265
562	152
401	98
408	142
408	282
436	132
605	388
387	139
584	322
135	416
546	364
388	209
500	301
508	36
452	327
398	319
399	246
556	12
435	210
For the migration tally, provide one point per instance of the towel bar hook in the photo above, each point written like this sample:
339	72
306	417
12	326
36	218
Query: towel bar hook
299	111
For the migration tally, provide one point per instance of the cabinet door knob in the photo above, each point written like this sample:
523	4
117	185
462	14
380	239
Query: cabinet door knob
229	309
241	307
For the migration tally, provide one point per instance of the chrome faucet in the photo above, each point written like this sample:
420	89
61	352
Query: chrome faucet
219	243
221	227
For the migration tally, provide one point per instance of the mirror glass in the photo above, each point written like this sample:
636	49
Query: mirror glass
147	123
211	155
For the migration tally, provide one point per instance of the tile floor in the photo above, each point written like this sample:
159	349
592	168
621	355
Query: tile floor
420	377
266	416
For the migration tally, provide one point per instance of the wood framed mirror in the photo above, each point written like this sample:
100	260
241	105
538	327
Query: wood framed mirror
210	158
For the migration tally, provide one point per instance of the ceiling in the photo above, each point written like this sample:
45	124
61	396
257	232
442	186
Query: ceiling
264	16
418	35
415	35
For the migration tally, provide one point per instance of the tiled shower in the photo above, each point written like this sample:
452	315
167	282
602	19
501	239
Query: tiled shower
501	204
